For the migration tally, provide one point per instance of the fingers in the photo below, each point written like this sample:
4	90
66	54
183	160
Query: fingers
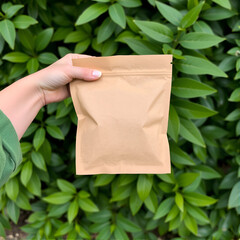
83	73
67	59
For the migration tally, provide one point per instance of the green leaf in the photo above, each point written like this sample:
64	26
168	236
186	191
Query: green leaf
63	229
119	233
207	172
168	178
214	131
17	70
173	123
186	179
109	47
39	138
31	129
81	47
105	30
165	187
76	36
63	110
83	194
103	179
12	188
16	57
178	156
104	233
121	193
191	224
238	128
25	147
197	213
203	27
61	33
47	58
135	202
228	181
72	210
127	225
26	172
2	231
164	207
2	43
191	16
43	39
144	186
102	1
37	216
169	13
151	202
26	39
66	186
117	14
130	3
156	31
23	21
23	202
189	88
179	201
234	199
125	179
190	132
87	205
5	6
32	65
11	11
55	132
192	110
34	185
197	199
198	66
38	160
223	3
228	63
63	51
58	211
91	13
58	198
172	213
217	13
235	96
47	228
100	217
197	40
141	47
234	115
13	211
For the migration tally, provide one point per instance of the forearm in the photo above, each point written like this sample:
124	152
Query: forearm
20	102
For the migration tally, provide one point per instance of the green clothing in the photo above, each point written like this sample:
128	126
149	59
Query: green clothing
10	151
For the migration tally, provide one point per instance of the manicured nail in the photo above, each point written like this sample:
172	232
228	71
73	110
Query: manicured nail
96	73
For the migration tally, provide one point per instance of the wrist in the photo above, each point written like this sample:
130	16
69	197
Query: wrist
34	92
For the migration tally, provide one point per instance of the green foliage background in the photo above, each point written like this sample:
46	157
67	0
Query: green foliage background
201	198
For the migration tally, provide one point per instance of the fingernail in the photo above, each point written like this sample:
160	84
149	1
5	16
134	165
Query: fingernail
96	73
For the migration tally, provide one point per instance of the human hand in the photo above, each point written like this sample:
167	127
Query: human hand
53	80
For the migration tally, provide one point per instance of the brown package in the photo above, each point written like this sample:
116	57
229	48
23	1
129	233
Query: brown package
123	116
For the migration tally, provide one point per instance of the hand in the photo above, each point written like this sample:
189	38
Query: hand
53	80
22	100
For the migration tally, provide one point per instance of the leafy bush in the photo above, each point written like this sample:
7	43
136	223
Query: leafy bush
201	198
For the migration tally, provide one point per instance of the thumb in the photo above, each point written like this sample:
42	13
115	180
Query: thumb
83	73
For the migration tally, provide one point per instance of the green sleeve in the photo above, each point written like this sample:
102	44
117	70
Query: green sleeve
10	151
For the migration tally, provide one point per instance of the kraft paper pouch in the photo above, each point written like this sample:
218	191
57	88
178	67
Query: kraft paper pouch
123	116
